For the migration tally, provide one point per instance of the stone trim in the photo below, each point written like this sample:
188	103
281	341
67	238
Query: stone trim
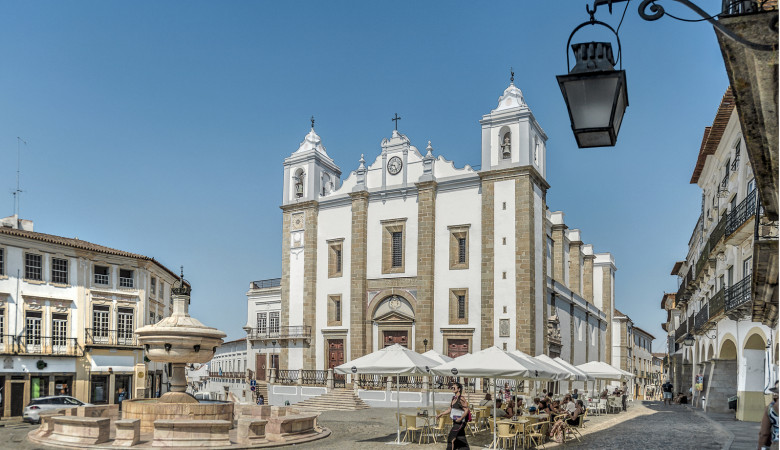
359	328
454	319
487	288
587	278
335	246
510	173
426	251
607	307
458	232
575	251
310	283
525	266
335	310
388	228
457	333
558	237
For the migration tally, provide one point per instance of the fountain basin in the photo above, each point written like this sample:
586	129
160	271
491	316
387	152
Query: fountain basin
149	410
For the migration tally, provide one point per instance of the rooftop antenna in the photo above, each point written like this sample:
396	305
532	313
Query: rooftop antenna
17	197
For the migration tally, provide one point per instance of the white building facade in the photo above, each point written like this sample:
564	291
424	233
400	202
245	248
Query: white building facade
68	313
713	305
410	249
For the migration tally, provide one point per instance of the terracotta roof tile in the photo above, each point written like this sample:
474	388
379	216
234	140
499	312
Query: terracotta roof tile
78	243
713	134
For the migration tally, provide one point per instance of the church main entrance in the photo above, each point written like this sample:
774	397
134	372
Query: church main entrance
457	347
396	337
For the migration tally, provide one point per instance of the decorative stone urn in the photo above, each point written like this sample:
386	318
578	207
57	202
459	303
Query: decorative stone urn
179	340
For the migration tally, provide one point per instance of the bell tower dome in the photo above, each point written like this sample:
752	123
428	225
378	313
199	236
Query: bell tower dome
309	173
511	136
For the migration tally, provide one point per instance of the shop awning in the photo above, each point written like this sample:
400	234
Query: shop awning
117	363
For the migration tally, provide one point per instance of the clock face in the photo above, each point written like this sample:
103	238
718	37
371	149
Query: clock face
394	165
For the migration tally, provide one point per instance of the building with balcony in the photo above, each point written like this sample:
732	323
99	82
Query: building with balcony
68	312
713	307
228	371
632	352
410	249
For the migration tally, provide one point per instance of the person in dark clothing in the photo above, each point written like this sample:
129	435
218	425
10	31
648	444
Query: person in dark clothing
459	412
624	395
768	433
668	389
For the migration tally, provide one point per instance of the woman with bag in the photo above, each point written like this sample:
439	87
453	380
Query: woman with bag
460	414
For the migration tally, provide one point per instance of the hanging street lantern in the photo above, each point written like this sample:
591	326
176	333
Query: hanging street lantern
595	93
689	340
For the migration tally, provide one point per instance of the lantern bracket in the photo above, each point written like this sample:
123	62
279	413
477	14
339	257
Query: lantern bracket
593	22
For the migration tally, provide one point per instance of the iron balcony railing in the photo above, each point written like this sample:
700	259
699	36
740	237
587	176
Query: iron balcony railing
219	374
97	337
373	382
690	323
717	303
681	331
262	284
701	317
717	233
739	294
740	7
40	345
723	188
339	380
742	213
314	377
279	333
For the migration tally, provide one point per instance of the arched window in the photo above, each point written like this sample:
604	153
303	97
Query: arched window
506	146
298	178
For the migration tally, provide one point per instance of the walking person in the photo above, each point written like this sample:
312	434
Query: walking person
667	389
768	433
624	395
459	412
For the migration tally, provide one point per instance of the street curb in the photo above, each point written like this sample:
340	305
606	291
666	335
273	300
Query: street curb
729	441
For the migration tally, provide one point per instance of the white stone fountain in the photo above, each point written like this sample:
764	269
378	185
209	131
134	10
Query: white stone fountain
179	340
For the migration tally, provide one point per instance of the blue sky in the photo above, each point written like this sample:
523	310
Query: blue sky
160	127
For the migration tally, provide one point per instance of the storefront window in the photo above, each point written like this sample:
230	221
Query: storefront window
39	387
99	391
62	386
122	388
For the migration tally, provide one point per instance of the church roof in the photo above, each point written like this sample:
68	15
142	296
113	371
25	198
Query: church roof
511	98
312	141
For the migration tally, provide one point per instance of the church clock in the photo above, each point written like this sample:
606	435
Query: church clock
394	165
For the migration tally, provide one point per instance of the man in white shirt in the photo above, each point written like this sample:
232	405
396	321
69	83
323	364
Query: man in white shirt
569	405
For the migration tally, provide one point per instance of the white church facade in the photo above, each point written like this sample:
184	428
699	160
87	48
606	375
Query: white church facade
410	249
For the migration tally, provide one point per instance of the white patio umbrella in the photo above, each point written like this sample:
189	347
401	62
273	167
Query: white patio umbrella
543	370
577	374
393	360
491	362
441	359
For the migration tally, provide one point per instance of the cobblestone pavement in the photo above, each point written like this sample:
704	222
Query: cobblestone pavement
646	425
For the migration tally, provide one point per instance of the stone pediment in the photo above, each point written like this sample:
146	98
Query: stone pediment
394	317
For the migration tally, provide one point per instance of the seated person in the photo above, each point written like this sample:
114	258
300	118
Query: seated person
556	407
534	408
576	417
544	407
575	395
510	408
568	404
487	401
683	399
604	394
499	411
520	406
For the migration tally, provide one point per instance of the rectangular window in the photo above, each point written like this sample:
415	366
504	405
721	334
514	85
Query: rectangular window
125	326
393	245
153	287
125	278
262	322
2	325
334	310
459	246
32	329
398	249
59	332
59	271
33	267
273	322
459	306
335	260
2	261
747	267
151	317
100	324
101	275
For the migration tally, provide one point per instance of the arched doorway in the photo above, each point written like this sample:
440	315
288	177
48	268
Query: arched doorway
722	382
751	403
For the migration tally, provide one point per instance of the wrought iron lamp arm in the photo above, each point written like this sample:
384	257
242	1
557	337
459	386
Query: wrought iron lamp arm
657	11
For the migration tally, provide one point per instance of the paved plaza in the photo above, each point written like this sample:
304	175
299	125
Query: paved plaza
646	425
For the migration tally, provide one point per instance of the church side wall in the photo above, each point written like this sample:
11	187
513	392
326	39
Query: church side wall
457	207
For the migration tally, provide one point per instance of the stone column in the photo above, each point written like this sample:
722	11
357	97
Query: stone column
558	233
575	283
426	249
686	381
359	324
720	384
525	265
587	278
606	290
487	263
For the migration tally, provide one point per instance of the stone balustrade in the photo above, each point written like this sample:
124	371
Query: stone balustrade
128	432
80	430
251	431
191	433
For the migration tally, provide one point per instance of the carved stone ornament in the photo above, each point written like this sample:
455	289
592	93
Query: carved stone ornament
394	303
554	330
503	328
8	363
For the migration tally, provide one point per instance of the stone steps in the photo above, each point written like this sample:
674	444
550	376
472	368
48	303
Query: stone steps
336	400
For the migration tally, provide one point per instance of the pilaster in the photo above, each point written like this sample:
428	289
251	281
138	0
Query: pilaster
488	263
606	289
558	232
575	282
426	238
310	284
359	325
525	266
587	278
